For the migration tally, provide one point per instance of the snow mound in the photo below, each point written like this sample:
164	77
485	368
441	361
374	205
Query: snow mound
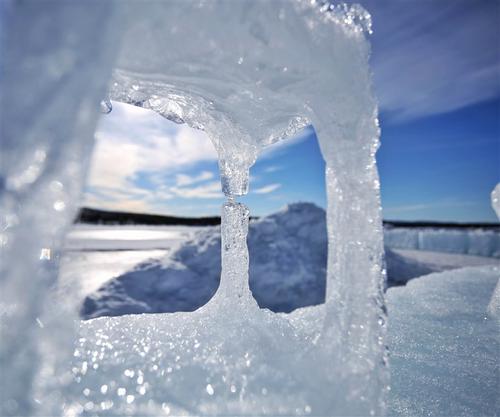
287	269
288	256
444	347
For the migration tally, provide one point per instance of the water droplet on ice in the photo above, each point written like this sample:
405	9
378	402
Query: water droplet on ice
59	205
106	106
45	254
56	186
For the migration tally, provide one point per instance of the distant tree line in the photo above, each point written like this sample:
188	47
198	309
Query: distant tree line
95	216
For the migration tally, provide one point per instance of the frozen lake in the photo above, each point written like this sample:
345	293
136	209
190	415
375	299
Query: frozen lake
97	254
90	237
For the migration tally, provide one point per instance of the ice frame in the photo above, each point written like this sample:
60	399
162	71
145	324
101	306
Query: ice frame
249	74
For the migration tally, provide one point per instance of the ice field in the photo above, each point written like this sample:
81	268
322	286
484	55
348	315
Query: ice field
443	344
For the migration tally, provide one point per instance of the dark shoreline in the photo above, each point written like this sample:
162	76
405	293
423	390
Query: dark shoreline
94	216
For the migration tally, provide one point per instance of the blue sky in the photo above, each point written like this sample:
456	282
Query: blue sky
436	71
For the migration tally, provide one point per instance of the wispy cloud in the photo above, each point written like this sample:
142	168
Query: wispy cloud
432	57
426	206
272	168
133	142
184	179
267	189
210	190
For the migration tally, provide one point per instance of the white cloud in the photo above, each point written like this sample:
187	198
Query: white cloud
210	190
272	168
131	141
425	206
267	189
129	205
184	179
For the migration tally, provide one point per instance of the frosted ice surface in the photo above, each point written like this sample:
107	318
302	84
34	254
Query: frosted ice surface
444	347
444	357
54	71
201	363
479	242
252	73
494	305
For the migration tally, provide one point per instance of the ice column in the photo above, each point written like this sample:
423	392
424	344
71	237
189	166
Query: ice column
355	323
234	229
494	305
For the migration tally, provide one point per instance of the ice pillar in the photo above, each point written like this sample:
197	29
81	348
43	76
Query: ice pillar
355	324
494	304
234	229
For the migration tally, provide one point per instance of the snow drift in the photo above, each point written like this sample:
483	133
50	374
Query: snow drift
288	252
288	258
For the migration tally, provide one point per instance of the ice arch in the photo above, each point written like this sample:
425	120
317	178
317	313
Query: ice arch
248	73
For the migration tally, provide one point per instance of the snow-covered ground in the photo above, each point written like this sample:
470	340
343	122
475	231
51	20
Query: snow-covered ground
138	269
443	346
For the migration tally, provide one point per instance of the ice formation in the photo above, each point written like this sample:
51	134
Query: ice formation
477	241
249	73
494	305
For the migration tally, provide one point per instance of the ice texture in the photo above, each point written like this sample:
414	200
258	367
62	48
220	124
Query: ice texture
234	288
251	73
444	347
477	242
54	71
494	305
444	358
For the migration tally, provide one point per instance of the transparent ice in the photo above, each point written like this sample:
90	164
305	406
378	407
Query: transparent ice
248	73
